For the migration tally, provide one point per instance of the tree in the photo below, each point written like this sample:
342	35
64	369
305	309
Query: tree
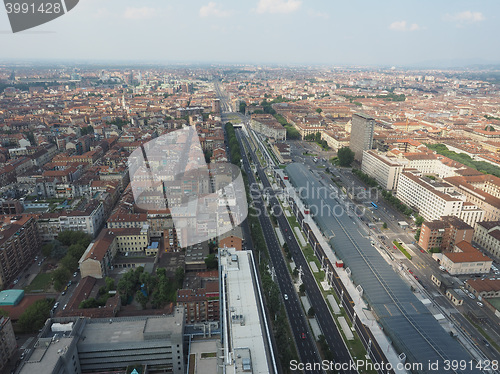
384	226
141	298
311	312
70	263
34	317
60	276
179	276
419	220
110	284
58	251
346	156
417	235
319	110
47	249
302	288
211	261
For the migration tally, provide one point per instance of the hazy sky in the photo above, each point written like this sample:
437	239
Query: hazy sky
361	32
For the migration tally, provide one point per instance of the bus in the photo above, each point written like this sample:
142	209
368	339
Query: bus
374	205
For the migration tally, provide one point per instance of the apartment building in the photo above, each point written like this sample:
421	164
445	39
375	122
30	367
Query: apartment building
384	169
88	220
433	199
362	127
200	304
487	235
443	234
98	258
465	259
8	344
267	125
335	141
482	190
19	244
426	163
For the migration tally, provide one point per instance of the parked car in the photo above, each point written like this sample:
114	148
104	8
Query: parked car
480	304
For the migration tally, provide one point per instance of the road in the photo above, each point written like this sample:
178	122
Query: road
422	265
306	347
325	319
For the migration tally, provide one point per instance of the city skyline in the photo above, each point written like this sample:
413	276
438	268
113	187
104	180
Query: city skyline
423	34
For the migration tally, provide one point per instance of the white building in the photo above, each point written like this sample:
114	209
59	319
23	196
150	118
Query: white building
435	199
466	260
384	169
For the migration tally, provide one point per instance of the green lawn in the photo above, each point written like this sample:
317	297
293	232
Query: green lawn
42	282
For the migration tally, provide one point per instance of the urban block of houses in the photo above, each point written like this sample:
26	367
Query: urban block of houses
97	261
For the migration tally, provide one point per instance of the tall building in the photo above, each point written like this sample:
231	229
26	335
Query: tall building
362	127
19	243
216	106
8	343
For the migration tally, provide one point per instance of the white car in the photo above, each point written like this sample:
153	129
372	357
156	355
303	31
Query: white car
471	296
480	304
285	296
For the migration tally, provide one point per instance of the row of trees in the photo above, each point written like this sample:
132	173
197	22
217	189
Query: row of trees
234	146
395	202
365	178
465	159
316	137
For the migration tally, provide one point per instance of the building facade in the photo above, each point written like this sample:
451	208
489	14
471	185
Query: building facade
8	344
444	234
19	244
433	199
466	260
362	128
385	170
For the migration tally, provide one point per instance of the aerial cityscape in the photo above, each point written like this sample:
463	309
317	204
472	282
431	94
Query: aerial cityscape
273	186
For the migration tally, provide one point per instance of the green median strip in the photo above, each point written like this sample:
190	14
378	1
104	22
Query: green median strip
403	251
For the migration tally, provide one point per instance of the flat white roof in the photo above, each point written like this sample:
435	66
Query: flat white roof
244	323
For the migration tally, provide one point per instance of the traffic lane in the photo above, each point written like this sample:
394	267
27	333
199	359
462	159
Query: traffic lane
292	305
284	282
332	335
328	326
